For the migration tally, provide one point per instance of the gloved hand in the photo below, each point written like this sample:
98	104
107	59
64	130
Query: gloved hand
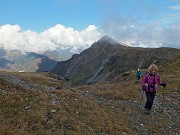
143	88
163	84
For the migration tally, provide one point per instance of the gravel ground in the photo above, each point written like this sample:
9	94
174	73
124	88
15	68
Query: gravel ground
24	84
148	124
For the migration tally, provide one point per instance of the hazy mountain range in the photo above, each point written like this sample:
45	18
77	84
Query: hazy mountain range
26	62
16	60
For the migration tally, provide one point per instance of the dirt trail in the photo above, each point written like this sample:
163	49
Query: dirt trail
23	83
147	124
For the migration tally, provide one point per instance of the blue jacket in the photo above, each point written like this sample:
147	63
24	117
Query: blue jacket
138	73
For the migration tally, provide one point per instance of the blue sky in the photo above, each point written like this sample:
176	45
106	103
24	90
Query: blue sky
39	15
127	21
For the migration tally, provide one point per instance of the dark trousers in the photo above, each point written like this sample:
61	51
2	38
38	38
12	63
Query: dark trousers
150	98
138	77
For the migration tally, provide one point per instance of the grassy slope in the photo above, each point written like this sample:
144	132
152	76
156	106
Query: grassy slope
104	108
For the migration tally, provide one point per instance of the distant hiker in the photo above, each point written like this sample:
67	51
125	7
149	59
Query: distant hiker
149	85
138	74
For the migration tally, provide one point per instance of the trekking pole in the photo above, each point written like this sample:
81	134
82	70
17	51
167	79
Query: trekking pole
142	94
163	100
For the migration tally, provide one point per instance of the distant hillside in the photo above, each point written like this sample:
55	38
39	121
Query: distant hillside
4	62
106	59
29	62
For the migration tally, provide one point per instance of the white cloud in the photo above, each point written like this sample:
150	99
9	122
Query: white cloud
70	38
133	33
175	7
59	36
171	35
12	38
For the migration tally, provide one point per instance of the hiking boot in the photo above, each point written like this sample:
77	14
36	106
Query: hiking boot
147	111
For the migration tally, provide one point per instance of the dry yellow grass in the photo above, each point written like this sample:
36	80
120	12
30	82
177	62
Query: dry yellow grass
99	109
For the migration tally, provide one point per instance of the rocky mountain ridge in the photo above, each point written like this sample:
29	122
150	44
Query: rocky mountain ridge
106	59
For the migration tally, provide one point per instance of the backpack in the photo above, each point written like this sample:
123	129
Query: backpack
154	81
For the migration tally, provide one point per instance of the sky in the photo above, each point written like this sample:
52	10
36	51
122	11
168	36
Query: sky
41	25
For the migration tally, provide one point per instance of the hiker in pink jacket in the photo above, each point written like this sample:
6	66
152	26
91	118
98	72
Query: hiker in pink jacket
149	85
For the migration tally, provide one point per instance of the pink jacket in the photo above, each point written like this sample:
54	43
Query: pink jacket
150	82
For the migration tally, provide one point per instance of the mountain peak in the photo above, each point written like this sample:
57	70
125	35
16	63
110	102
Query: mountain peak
107	39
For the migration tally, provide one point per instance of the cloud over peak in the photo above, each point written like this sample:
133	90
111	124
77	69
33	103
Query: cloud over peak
61	37
57	37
